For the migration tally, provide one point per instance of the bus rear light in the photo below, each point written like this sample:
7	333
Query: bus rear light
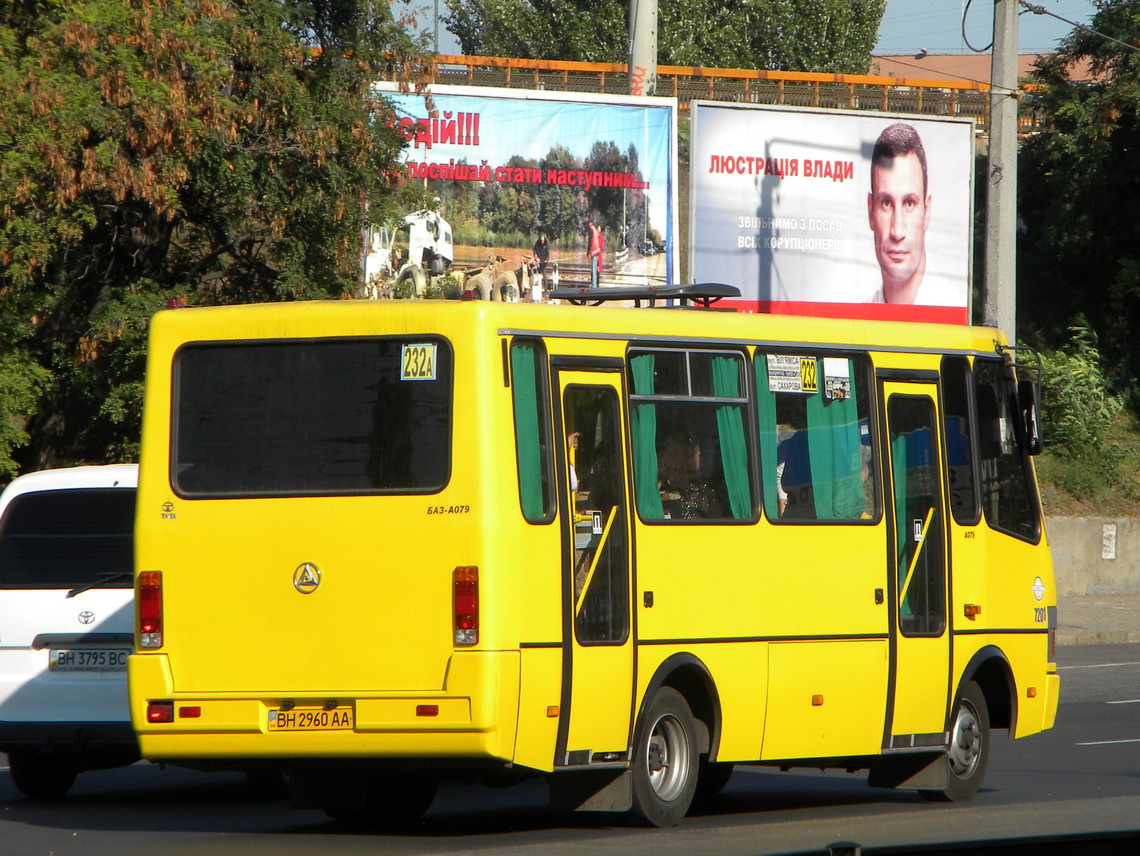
189	712
150	609
465	588
160	711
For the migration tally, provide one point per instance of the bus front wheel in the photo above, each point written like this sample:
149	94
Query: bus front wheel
969	748
665	761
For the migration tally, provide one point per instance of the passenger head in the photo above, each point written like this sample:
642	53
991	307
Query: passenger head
681	460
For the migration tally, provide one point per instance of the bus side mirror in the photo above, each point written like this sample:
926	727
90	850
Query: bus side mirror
1027	406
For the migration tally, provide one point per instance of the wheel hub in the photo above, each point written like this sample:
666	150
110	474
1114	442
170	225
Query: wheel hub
666	757
965	743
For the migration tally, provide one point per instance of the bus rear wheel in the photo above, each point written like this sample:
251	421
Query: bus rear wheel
664	761
969	748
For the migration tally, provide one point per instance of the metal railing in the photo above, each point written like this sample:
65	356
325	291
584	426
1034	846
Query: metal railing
966	99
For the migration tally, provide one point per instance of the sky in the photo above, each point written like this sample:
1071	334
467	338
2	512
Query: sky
911	25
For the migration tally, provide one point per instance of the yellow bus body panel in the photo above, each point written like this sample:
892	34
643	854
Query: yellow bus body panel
785	620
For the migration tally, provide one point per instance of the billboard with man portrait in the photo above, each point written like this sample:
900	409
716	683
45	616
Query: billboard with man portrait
833	213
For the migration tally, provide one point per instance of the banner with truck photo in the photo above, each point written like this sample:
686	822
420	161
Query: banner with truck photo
523	191
833	213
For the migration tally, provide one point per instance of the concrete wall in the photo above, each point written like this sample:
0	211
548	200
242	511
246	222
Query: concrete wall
1095	555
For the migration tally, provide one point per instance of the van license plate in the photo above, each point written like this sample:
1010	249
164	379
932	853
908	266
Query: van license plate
89	659
312	719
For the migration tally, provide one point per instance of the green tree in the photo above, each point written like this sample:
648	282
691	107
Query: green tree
196	151
1078	184
793	35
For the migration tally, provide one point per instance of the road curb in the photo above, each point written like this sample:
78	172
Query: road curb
1092	637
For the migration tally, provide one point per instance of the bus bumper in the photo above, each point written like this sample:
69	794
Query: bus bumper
473	717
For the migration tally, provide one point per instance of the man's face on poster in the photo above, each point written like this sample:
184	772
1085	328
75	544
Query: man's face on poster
898	208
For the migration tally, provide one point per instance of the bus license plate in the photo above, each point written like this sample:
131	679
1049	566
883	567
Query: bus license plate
311	719
89	659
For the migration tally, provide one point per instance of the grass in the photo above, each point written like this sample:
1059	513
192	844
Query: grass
1103	482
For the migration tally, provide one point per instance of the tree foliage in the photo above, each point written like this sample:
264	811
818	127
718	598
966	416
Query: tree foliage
198	151
793	35
1077	404
1078	185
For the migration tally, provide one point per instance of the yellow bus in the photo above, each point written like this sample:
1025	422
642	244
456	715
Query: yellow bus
380	544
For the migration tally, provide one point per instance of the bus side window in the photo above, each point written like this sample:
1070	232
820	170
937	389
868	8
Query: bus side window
692	455
816	454
1008	492
529	391
959	440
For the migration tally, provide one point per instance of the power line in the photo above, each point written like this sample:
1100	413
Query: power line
940	75
1041	10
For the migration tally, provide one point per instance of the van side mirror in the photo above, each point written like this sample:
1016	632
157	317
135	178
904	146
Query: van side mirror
1027	408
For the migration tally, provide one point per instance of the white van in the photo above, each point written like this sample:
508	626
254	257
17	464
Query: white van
66	624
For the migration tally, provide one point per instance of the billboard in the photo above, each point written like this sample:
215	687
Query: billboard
508	166
833	213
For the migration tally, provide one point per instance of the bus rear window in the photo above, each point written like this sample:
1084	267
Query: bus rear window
312	417
67	538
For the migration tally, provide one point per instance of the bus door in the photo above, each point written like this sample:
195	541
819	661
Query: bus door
597	688
920	641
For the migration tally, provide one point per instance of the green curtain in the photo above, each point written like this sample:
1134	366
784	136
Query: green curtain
643	424
528	448
836	457
766	417
730	429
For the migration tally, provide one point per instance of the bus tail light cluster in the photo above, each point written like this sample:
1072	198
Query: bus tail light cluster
465	601
150	609
160	711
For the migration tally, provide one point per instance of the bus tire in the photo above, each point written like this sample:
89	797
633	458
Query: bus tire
664	761
392	800
506	288
41	777
969	748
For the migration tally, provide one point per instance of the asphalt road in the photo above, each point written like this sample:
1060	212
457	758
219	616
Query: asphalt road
1074	789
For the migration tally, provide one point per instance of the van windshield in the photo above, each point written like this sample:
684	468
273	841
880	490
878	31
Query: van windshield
310	417
67	538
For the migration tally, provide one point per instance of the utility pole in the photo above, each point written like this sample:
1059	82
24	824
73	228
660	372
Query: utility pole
642	47
1000	284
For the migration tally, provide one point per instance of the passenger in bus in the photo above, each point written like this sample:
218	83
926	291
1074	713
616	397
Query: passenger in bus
684	493
794	489
572	458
